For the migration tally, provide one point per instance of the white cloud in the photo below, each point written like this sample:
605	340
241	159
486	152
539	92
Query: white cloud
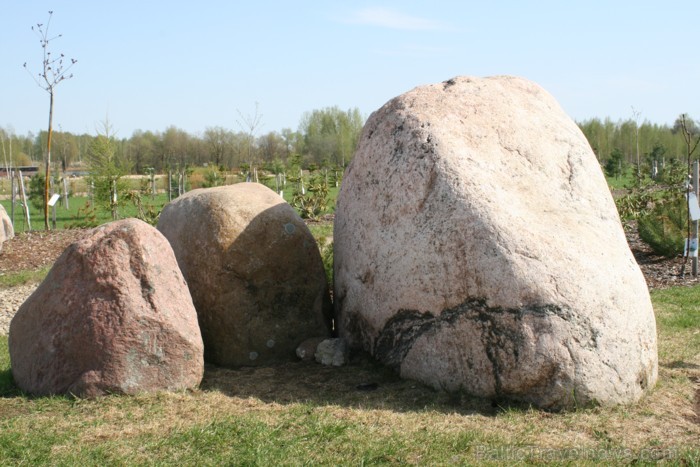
413	51
392	19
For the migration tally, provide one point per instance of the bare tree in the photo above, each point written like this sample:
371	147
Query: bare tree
636	114
53	71
250	123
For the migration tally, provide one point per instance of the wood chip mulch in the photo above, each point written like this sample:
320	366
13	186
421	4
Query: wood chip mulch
37	249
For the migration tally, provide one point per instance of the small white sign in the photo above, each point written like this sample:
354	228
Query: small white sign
693	253
694	207
53	199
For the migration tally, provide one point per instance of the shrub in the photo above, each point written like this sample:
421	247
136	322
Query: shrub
36	192
615	165
664	228
312	202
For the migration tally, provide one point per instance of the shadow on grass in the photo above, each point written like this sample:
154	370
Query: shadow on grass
8	389
681	365
361	384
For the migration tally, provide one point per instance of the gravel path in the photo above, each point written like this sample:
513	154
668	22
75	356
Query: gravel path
10	300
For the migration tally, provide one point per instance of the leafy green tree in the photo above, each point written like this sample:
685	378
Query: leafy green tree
604	136
66	146
174	148
219	143
271	146
331	134
293	142
144	150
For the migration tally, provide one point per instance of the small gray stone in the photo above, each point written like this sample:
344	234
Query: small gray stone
307	349
332	352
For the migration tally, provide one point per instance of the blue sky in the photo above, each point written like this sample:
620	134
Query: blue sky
148	65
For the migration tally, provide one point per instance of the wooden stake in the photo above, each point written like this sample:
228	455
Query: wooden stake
53	208
65	192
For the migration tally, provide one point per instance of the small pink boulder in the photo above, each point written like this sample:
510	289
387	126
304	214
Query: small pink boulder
114	315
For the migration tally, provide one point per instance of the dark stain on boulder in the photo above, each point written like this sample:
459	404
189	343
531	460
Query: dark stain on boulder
448	83
501	333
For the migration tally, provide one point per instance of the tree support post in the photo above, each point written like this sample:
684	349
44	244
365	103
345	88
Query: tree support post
25	201
694	230
12	198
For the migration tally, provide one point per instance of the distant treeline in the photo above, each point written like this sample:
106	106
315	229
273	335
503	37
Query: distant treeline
621	139
326	137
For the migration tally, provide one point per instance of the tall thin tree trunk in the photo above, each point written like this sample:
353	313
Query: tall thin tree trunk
4	155
48	164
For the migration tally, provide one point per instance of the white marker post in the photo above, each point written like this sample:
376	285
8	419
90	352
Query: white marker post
25	203
52	204
694	209
54	199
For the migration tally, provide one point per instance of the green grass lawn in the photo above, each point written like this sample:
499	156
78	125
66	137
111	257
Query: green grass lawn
623	182
78	212
302	413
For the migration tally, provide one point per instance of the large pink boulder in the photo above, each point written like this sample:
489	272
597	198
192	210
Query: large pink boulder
114	315
478	249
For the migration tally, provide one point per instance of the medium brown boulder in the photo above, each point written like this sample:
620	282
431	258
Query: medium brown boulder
254	271
478	249
6	229
113	316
